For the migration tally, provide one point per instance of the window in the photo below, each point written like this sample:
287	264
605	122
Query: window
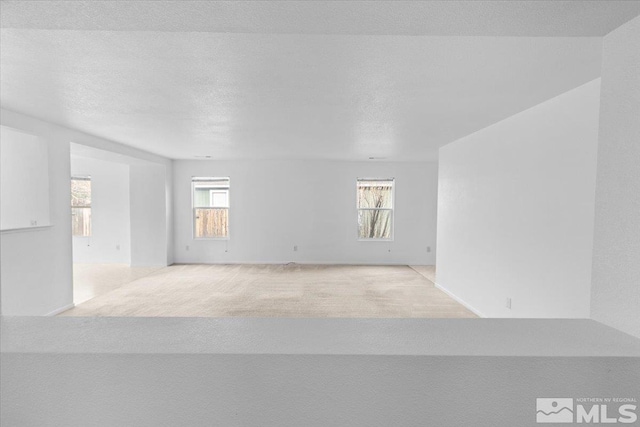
375	209
210	207
81	206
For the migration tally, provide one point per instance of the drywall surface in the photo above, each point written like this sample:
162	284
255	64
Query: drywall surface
238	335
615	297
149	232
36	273
305	372
276	205
168	207
24	180
298	390
110	240
36	264
515	211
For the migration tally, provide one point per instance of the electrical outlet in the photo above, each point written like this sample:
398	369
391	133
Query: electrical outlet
117	247
428	248
295	248
508	303
34	222
186	247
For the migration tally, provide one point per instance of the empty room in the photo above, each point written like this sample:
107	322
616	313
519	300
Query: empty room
320	213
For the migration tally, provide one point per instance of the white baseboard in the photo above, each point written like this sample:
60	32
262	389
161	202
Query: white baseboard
386	264
460	300
61	309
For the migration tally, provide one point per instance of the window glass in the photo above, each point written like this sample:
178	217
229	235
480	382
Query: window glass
81	206
210	207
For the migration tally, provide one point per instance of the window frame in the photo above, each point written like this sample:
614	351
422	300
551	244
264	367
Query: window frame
83	178
193	207
225	192
391	210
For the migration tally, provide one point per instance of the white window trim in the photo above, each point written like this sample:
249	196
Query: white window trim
392	209
225	191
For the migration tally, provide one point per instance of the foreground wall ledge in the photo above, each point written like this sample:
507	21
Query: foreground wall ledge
410	337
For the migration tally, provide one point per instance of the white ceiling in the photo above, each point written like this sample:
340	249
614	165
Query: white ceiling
250	82
79	151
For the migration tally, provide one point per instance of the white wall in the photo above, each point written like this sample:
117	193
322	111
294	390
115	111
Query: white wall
36	264
110	217
278	204
149	230
290	390
616	257
515	210
24	180
168	207
36	273
287	372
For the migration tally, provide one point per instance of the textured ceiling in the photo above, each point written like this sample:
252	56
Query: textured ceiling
214	87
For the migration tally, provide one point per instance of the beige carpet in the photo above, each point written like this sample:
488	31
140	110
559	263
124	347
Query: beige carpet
276	291
92	280
428	271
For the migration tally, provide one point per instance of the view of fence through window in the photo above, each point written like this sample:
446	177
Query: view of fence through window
375	208
81	206
210	207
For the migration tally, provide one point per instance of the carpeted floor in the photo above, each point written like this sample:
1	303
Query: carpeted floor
92	280
276	291
428	271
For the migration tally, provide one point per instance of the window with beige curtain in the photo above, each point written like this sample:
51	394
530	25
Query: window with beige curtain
375	208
